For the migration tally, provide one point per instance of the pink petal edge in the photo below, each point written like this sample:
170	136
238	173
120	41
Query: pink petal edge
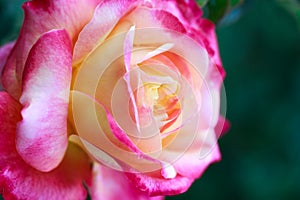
41	138
222	126
155	186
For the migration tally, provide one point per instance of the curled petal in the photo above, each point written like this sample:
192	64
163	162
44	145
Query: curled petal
20	181
42	134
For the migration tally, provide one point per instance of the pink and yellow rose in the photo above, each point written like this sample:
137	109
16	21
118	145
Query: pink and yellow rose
111	97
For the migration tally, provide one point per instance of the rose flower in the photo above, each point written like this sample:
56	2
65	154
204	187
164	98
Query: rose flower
109	98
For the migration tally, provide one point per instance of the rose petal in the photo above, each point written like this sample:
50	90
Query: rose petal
4	52
168	21
153	35
155	186
200	29
128	47
201	153
42	134
210	106
111	185
100	127
96	136
188	12
101	76
41	17
222	126
99	27
189	166
211	43
147	141
163	48
209	38
145	17
20	181
100	61
195	146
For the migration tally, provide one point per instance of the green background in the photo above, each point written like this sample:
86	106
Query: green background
260	47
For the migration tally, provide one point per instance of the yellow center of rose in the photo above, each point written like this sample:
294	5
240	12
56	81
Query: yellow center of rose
158	101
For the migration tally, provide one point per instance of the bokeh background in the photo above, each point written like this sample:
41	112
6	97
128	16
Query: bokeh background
260	47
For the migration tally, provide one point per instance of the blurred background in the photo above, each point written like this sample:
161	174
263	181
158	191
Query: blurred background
259	42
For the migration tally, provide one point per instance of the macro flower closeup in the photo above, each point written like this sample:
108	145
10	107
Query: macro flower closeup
109	98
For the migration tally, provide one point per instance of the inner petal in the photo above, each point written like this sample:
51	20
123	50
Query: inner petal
93	125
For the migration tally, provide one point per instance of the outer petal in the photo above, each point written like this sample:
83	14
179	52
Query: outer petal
4	52
187	12
183	10
42	134
41	17
111	185
222	126
20	181
210	40
159	186
189	166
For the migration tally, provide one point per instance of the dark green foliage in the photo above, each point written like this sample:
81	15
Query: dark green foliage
215	10
293	6
202	2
